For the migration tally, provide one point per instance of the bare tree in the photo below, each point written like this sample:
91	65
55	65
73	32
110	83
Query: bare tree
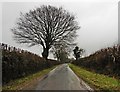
45	26
78	52
61	51
61	54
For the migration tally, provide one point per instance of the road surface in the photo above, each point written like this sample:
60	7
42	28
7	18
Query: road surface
62	78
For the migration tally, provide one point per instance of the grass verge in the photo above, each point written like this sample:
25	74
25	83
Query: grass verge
18	84
97	81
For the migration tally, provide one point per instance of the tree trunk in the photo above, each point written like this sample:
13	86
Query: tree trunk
45	53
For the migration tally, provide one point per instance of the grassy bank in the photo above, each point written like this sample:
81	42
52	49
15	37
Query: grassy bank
97	81
19	84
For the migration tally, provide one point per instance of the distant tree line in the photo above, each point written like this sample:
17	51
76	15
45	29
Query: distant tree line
17	63
105	61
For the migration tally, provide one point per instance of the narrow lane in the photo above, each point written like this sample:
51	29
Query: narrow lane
62	78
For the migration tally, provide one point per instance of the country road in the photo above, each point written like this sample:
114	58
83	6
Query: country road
62	78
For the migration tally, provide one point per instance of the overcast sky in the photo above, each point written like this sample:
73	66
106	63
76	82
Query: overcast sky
98	20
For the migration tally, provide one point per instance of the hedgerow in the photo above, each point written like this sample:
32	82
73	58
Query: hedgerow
105	61
17	63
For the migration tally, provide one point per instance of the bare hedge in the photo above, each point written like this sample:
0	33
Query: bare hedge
17	63
105	61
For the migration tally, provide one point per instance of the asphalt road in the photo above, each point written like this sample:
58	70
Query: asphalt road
62	78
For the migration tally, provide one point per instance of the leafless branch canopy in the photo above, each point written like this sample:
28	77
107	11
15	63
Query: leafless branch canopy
45	25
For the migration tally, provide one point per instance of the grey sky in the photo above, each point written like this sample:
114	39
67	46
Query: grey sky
98	21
